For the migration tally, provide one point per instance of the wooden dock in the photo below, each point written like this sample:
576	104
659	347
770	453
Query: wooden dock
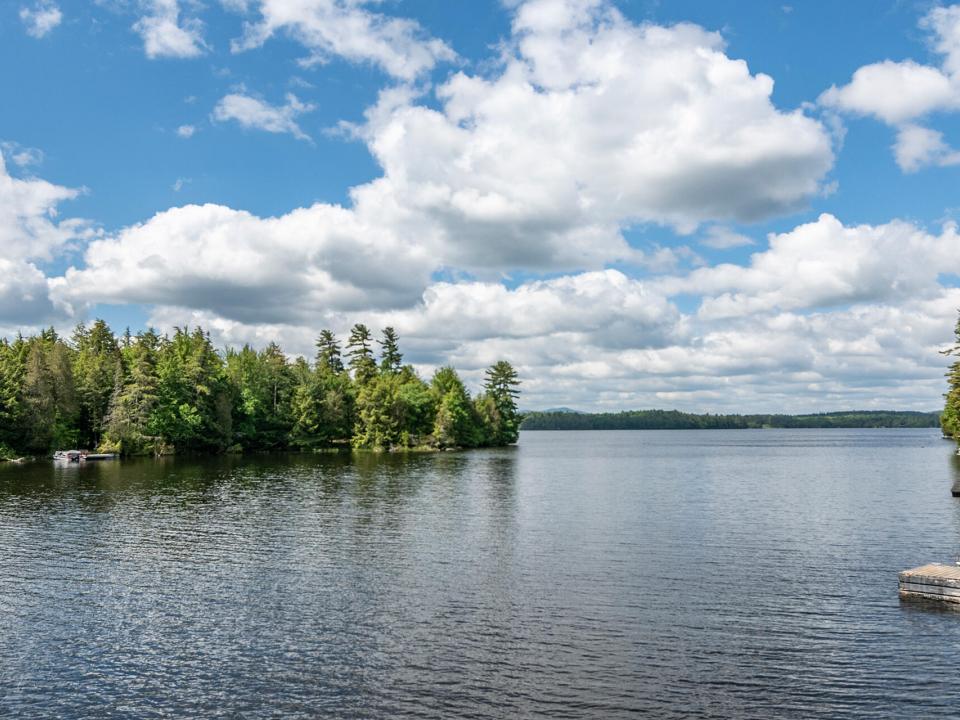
935	581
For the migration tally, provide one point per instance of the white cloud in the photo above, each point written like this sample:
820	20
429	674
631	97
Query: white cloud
347	29
901	93
21	156
823	264
29	228
719	237
828	317
186	131
544	163
250	269
41	18
917	147
253	113
894	92
30	231
166	35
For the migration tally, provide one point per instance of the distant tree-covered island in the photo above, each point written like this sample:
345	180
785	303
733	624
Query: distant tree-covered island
157	394
676	420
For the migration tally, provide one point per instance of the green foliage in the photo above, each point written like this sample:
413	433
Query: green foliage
457	422
130	427
194	402
96	362
323	408
328	352
13	367
149	394
950	418
48	396
391	360
393	411
360	352
503	420
263	387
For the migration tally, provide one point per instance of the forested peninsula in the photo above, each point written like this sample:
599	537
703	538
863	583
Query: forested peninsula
157	394
676	420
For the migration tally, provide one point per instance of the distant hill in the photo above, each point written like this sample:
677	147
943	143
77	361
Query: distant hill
566	419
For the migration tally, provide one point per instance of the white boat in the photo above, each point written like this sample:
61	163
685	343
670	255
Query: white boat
81	456
68	455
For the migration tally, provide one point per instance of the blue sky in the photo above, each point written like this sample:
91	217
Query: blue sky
588	187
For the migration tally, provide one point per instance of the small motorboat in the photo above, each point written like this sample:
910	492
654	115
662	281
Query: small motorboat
81	456
68	455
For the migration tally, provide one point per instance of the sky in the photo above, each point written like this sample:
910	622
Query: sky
710	206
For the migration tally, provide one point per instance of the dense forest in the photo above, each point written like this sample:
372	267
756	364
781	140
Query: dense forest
676	420
950	418
156	394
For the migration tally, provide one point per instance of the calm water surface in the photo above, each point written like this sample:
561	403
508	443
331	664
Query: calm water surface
594	574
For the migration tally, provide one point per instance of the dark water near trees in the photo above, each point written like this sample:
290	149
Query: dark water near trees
673	574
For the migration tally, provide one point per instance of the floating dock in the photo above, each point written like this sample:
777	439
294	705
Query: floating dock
935	581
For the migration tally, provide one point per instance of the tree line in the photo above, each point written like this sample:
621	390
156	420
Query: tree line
676	420
153	394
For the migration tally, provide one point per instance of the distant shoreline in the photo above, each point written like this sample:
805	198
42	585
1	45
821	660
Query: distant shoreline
676	420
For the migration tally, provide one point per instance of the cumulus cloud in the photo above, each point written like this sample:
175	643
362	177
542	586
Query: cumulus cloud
41	18
247	268
166	35
30	231
186	131
544	163
253	113
823	264
719	237
918	147
344	28
902	93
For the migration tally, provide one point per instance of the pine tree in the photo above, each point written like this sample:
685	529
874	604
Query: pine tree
950	418
501	388
94	367
129	427
49	398
456	422
328	352
361	355
391	360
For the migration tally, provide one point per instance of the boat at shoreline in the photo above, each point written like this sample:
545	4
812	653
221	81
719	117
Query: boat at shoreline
81	456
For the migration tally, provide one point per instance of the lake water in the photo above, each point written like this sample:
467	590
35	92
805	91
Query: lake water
595	574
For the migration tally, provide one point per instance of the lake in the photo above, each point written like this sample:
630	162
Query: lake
685	574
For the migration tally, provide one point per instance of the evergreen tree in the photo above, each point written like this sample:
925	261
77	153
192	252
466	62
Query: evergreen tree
359	349
13	366
950	418
49	399
95	365
501	389
194	408
391	359
456	422
328	352
129	427
394	410
323	407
